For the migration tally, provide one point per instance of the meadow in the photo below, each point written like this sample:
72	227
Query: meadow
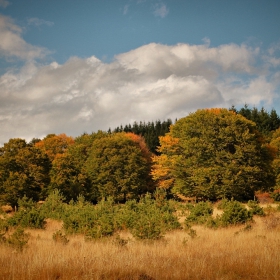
234	252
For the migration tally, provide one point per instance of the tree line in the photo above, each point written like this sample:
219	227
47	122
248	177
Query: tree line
210	154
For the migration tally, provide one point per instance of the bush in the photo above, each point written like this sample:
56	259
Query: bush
59	237
18	239
235	213
152	219
54	207
28	218
255	209
93	221
276	195
3	230
201	213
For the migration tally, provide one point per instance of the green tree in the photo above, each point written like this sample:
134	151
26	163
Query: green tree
24	170
266	122
214	154
117	167
275	143
68	169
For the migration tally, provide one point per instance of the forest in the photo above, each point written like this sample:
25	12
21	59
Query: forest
194	199
210	154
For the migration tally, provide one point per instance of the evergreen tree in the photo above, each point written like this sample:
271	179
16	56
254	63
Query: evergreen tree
266	122
150	131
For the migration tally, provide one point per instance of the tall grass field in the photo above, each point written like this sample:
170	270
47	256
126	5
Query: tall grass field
235	252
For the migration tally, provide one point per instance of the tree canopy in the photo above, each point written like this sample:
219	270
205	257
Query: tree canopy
149	131
275	143
213	154
118	166
24	170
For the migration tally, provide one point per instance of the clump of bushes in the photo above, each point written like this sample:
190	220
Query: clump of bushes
234	213
28	215
200	213
255	209
18	239
146	219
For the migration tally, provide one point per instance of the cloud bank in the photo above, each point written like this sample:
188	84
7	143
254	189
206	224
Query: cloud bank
12	45
151	82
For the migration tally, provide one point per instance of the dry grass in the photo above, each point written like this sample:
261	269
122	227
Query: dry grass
213	254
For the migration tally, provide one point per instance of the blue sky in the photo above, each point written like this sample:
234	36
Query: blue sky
72	66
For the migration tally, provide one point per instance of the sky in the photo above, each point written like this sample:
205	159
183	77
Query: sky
76	66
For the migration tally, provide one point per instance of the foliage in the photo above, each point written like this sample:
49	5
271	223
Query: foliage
276	195
223	158
59	237
93	221
152	218
117	167
255	209
53	145
24	170
235	213
150	132
3	230
28	215
275	144
18	239
54	206
68	169
200	213
266	122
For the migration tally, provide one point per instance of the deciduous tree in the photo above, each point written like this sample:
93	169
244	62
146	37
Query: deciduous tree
24	170
118	167
213	154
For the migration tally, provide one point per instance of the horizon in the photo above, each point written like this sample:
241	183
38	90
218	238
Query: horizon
73	67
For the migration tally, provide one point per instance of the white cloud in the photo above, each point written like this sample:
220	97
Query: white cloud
125	9
4	3
160	10
13	45
38	22
151	82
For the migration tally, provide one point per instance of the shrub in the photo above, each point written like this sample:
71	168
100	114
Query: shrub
28	218
222	204
201	213
93	221
235	213
59	237
54	207
18	239
276	195
152	219
255	209
3	230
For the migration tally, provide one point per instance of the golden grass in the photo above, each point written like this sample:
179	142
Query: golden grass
213	254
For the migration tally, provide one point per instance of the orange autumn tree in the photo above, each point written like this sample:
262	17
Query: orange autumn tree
214	154
162	165
54	145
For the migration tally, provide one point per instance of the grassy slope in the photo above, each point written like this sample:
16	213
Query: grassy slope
213	254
